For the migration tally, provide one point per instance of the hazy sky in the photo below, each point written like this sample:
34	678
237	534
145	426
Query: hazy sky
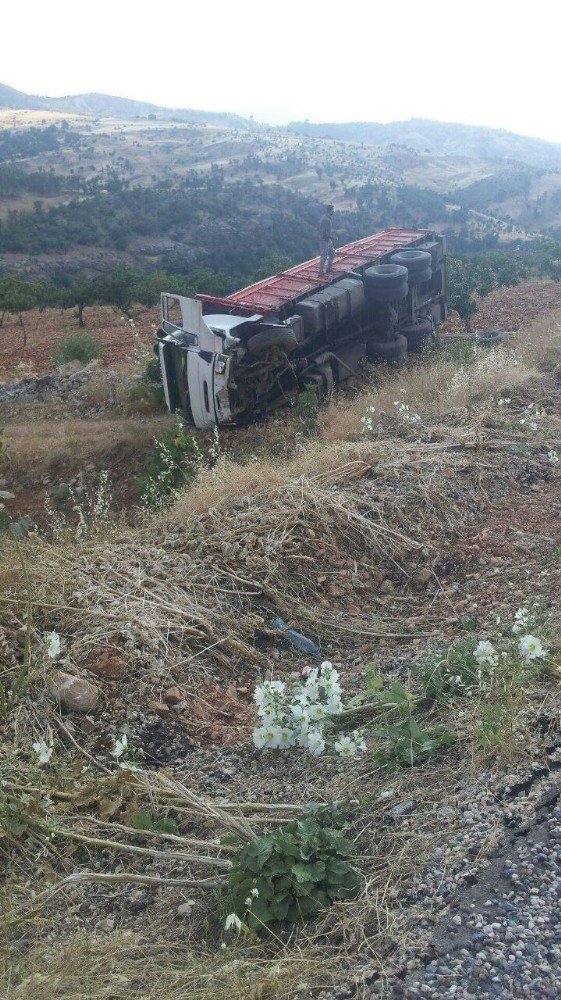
484	63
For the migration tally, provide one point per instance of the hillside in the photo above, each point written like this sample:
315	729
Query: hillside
441	138
116	107
398	546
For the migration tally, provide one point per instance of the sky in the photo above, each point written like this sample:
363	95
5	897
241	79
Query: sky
483	63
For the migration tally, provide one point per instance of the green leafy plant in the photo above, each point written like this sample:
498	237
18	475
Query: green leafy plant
174	462
291	873
145	819
408	745
453	673
306	409
77	347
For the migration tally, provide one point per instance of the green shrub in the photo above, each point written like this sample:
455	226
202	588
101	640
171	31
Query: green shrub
291	873
407	745
145	819
306	410
174	462
454	673
77	347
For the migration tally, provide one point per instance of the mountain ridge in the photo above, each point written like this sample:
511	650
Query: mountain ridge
430	136
98	104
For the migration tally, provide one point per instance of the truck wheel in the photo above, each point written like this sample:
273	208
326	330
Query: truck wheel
420	277
385	276
413	260
387	295
417	334
387	350
285	340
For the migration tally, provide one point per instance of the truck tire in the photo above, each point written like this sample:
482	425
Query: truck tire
413	260
385	276
420	277
417	334
284	340
387	295
387	350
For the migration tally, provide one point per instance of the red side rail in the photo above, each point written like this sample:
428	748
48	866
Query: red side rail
281	290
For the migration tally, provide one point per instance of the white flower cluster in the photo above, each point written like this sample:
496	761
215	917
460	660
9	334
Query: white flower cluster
553	457
119	746
44	751
504	401
52	645
406	413
297	714
523	619
531	648
367	420
486	654
534	412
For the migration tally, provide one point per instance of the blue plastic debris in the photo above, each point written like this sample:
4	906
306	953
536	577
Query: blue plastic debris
296	638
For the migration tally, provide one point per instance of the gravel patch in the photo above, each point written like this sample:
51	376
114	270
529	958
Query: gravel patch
502	938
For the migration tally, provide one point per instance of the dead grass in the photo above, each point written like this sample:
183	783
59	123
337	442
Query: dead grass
311	538
100	967
46	446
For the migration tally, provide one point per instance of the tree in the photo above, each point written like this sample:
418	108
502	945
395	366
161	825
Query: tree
118	288
82	293
461	281
16	297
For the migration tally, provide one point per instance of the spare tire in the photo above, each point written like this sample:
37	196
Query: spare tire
385	276
387	295
284	340
413	260
387	350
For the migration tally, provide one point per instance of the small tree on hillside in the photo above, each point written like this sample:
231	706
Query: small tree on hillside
82	293
16	297
462	282
118	288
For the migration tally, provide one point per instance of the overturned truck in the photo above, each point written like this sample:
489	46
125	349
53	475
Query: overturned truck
234	359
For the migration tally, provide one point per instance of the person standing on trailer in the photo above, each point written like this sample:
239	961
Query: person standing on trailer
327	250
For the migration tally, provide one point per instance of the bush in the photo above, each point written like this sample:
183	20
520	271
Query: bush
175	461
291	873
77	347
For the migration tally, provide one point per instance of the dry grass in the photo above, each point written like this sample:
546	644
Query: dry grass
125	966
199	585
45	445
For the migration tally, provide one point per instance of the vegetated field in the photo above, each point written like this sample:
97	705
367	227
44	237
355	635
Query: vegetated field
384	546
105	161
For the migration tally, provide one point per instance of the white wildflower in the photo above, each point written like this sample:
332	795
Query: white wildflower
232	920
44	751
52	649
522	619
553	457
119	746
255	893
485	653
504	401
531	648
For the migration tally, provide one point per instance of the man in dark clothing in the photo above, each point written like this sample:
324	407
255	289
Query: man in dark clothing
327	250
